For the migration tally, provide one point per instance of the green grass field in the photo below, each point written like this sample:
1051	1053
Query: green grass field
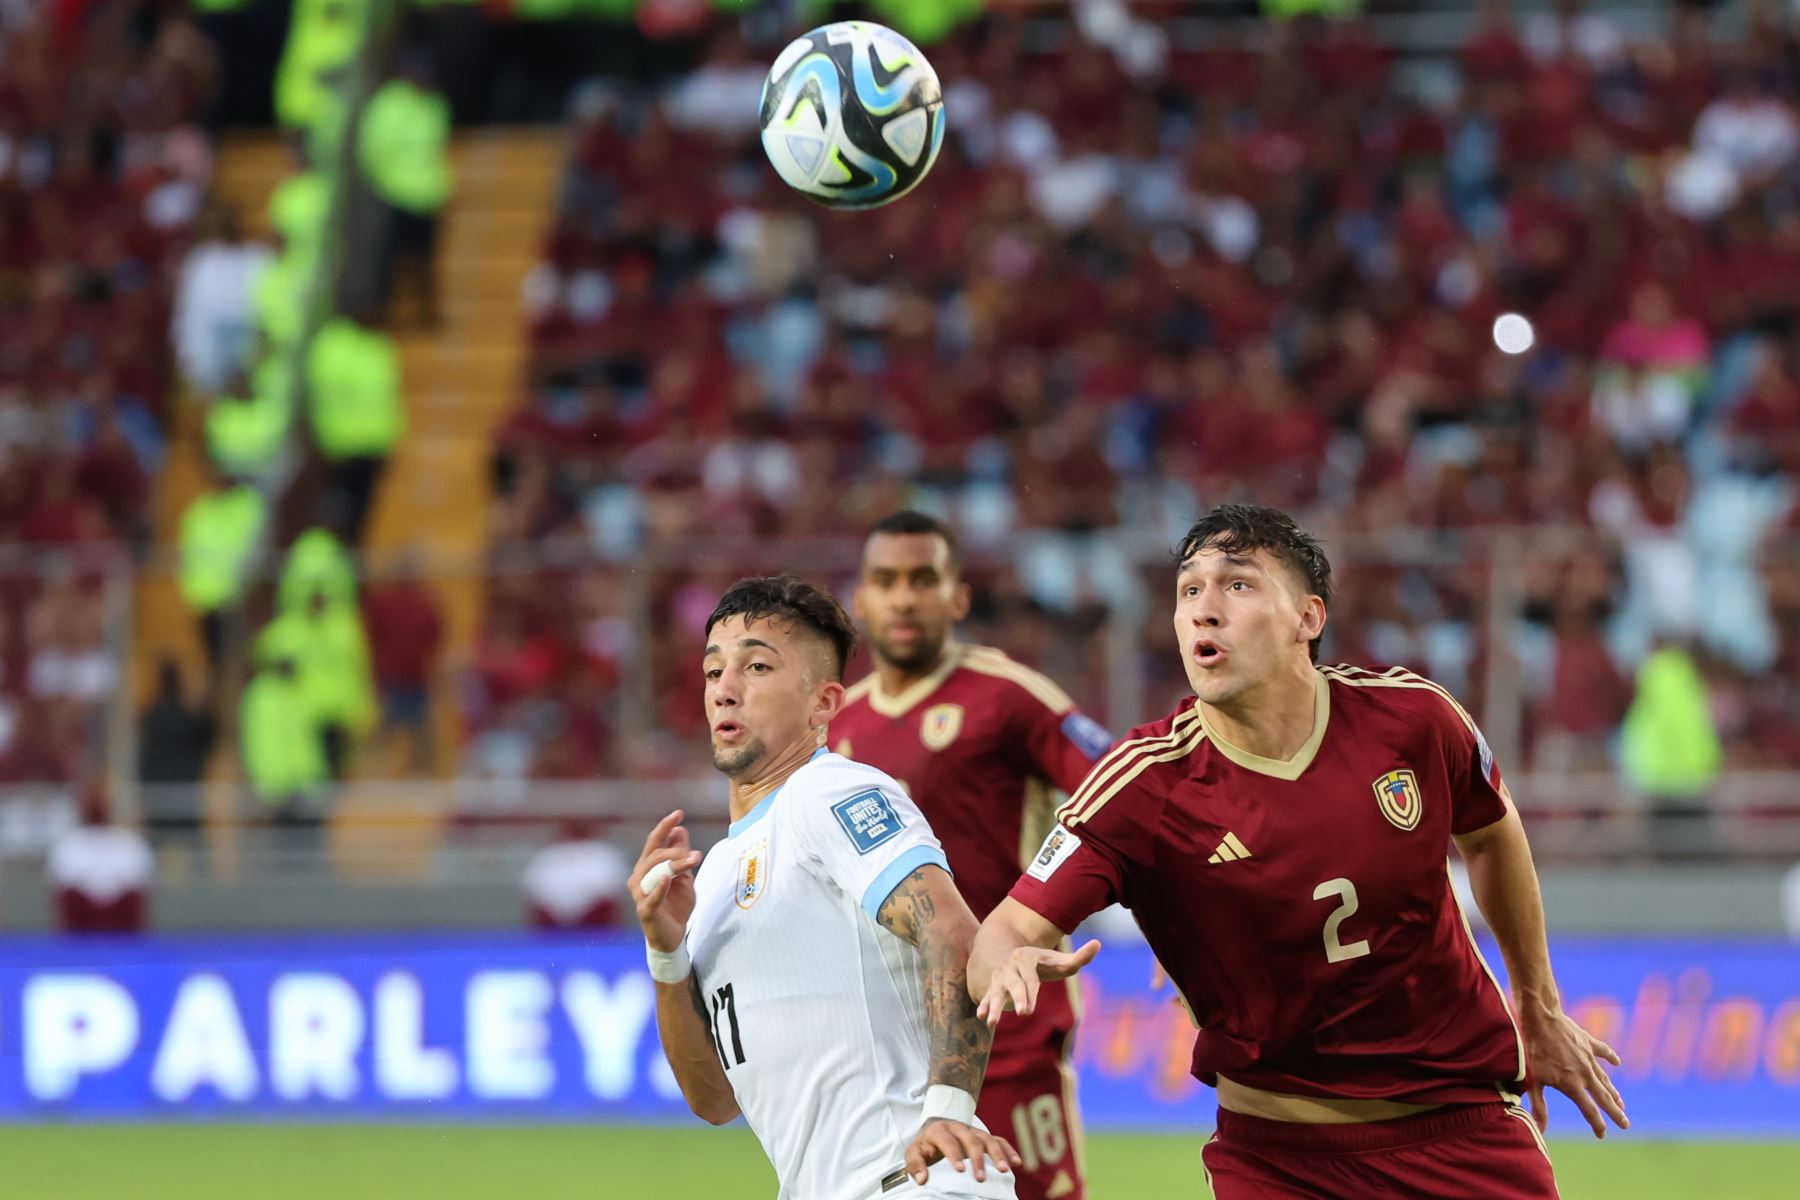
304	1162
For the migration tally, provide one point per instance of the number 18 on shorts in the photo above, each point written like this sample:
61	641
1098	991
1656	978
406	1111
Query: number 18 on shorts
1033	1114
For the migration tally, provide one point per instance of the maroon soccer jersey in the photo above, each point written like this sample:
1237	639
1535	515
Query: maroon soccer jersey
979	745
1304	907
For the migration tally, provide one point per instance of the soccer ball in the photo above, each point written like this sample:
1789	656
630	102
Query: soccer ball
852	115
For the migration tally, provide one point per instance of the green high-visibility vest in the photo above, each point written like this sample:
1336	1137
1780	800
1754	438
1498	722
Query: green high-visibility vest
323	36
403	147
331	655
219	533
554	10
1282	10
244	435
353	381
298	209
317	564
278	298
282	744
1669	745
926	20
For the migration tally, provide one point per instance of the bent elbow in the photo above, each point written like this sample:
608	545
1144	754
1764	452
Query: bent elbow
714	1111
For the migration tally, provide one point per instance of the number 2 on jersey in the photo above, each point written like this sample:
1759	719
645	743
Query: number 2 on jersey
1345	891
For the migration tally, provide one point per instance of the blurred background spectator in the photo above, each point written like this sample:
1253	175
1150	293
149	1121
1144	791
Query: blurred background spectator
577	881
1504	308
101	874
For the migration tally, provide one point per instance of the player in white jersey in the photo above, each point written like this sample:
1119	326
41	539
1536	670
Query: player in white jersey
810	976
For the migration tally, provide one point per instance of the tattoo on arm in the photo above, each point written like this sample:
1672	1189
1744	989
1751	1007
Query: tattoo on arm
959	1039
908	909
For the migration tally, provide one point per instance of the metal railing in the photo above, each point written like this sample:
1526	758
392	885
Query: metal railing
1119	666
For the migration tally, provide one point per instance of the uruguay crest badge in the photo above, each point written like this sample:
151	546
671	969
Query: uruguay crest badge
752	874
940	725
1397	793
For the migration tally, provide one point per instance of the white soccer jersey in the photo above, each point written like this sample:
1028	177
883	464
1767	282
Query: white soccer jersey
818	1013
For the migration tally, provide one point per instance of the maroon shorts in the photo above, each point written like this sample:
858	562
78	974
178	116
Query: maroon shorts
1463	1152
1028	1098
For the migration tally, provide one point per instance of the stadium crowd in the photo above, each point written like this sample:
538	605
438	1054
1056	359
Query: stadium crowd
1149	272
1148	276
104	170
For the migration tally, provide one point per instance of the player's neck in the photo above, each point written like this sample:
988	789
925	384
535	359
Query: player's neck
892	678
1272	721
748	792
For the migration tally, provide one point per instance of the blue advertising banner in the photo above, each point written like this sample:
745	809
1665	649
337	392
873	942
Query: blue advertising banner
520	1028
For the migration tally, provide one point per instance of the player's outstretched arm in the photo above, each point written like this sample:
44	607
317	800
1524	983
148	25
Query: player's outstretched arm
1015	952
1563	1055
681	1017
927	910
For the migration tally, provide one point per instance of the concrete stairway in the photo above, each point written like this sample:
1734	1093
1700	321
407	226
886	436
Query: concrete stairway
462	380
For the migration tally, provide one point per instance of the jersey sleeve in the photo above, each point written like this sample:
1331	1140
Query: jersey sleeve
1478	793
861	832
1073	876
1062	745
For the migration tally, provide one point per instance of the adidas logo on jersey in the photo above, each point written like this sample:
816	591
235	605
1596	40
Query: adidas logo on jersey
1230	850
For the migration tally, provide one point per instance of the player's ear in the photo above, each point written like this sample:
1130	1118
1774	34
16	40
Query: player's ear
959	602
1312	618
828	702
856	603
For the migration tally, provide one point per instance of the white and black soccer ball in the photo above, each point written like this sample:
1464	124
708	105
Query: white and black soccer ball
852	115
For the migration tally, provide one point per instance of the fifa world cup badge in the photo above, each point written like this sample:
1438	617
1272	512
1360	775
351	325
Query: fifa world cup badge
752	874
1397	793
940	725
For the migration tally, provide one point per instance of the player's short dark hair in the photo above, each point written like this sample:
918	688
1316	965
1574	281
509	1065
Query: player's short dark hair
795	601
1241	528
909	521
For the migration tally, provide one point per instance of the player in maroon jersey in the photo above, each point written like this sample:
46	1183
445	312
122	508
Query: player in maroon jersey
979	742
1281	839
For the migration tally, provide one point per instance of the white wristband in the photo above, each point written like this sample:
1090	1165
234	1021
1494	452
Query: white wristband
669	966
943	1102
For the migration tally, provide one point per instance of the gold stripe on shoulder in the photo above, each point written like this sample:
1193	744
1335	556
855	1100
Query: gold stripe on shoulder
917	692
1171	754
860	688
992	662
1123	754
1398	677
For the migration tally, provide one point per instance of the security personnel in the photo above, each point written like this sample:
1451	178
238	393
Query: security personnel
244	435
330	653
298	209
283	750
323	37
353	385
219	535
278	299
403	150
1670	751
317	564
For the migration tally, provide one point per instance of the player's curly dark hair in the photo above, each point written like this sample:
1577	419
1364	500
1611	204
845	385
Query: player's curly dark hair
793	600
1241	528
